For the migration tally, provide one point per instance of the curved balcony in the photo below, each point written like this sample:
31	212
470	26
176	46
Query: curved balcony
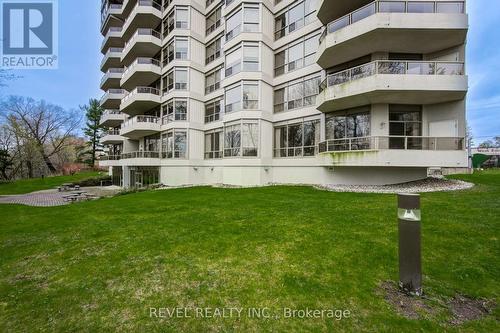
393	26
112	16
393	82
397	151
142	72
112	98
329	10
112	118
112	58
112	137
111	78
140	126
139	100
145	14
109	160
113	38
144	43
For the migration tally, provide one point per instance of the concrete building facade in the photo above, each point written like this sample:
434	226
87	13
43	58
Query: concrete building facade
257	92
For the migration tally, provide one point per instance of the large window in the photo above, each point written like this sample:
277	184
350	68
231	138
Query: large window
213	110
349	129
175	79
174	110
296	56
212	81
248	54
296	94
174	144
213	144
242	97
405	121
213	20
241	140
177	49
176	19
298	139
213	50
294	18
250	17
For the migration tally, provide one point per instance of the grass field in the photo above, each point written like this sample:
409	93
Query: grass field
38	184
100	266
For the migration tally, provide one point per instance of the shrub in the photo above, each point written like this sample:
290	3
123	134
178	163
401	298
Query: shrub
94	181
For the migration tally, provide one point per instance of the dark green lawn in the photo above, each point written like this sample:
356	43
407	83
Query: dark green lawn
38	184
99	266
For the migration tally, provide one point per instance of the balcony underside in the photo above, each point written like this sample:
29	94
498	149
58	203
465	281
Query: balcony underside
401	158
113	20
140	75
144	46
112	120
139	105
112	139
395	33
111	61
136	132
393	89
329	10
112	40
110	82
111	102
147	17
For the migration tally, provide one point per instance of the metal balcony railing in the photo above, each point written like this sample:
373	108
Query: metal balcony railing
141	90
141	61
142	32
392	142
379	6
393	67
304	151
112	132
110	158
140	154
140	119
107	113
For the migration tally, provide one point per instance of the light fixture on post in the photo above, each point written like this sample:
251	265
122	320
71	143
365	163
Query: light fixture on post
410	258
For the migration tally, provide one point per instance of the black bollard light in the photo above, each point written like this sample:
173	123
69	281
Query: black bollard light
410	259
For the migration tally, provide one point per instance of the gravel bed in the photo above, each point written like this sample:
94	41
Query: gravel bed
431	184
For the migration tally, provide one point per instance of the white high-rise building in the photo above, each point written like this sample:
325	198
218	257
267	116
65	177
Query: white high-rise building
258	91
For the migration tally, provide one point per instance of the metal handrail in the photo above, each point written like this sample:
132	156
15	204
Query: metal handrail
112	132
374	8
393	67
392	142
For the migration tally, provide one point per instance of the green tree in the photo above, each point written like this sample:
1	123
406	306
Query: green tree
93	130
5	164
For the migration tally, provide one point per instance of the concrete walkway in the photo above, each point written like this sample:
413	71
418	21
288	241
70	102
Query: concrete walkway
51	198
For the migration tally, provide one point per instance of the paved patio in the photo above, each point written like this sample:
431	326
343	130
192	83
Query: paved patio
50	198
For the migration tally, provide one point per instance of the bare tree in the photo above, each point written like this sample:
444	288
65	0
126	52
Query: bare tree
41	127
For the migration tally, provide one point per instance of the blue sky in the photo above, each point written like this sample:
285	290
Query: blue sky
78	76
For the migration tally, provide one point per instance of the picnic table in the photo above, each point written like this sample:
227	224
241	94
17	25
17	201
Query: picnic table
68	187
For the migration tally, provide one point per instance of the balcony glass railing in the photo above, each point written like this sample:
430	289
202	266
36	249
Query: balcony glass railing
142	32
392	142
305	151
393	67
141	61
379	6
